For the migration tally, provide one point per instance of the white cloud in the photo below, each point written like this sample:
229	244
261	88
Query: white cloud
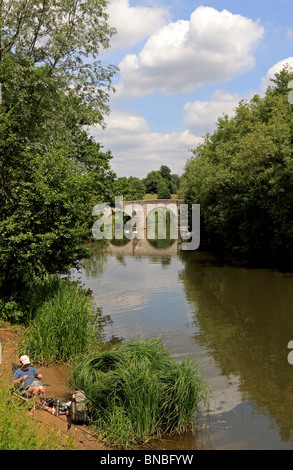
133	24
213	46
123	121
138	150
201	116
273	70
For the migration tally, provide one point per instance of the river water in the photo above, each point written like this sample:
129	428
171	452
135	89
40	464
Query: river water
235	322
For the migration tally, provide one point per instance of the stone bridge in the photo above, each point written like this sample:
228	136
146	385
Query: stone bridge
142	212
148	219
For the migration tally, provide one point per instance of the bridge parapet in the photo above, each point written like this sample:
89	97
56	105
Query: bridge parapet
144	208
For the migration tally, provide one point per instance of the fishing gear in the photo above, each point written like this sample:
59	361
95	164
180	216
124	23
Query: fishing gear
97	404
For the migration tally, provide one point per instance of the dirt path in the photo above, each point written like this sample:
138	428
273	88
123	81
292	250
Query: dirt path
56	377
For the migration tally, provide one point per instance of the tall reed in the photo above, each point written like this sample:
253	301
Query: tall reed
139	390
62	326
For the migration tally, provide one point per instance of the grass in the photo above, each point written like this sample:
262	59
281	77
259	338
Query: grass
139	390
63	324
17	432
150	196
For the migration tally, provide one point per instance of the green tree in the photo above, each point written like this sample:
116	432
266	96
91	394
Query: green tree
163	190
165	172
47	213
65	37
52	172
131	188
175	183
122	187
242	176
172	180
137	188
151	181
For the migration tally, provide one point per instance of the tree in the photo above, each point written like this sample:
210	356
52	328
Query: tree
242	176
165	172
131	188
175	183
163	190
52	172
151	181
122	187
172	181
65	38
137	188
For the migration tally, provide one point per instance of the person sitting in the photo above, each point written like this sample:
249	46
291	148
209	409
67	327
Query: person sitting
27	379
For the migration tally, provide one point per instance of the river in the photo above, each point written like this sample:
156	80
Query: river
235	322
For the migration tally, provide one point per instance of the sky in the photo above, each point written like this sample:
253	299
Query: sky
183	64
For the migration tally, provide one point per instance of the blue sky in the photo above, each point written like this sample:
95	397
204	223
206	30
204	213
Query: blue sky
183	63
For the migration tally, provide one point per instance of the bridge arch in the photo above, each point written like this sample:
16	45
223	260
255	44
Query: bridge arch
145	208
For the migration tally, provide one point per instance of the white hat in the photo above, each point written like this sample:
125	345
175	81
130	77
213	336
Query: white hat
24	360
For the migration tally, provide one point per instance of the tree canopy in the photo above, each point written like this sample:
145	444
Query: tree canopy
157	179
164	190
131	188
242	176
52	172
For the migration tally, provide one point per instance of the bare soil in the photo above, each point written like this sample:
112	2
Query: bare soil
56	379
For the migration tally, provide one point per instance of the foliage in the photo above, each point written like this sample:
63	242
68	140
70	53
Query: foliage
10	311
65	38
175	183
164	191
63	326
139	390
242	176
46	217
165	172
132	188
171	180
137	188
52	173
154	179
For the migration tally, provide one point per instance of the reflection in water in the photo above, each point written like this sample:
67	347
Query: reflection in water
144	247
235	322
244	318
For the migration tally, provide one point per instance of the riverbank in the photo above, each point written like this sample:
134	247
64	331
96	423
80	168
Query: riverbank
137	390
56	376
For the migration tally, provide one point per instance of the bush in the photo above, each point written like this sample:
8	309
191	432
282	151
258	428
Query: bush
139	390
10	311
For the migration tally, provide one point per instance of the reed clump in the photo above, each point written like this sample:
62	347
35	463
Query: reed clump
62	326
138	389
